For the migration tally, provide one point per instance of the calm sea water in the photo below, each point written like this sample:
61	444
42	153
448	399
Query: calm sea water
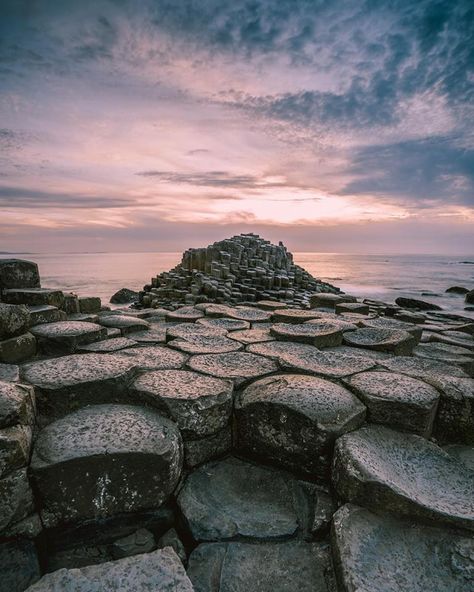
374	276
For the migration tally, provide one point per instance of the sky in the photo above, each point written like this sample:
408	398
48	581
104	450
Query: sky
156	125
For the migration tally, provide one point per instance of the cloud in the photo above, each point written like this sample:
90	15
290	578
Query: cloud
20	197
213	179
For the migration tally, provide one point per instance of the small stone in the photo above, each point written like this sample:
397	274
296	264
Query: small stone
457	290
124	296
14	320
17	349
237	366
18	273
401	343
140	541
65	337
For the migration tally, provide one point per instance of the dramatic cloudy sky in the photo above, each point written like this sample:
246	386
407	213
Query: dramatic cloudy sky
160	124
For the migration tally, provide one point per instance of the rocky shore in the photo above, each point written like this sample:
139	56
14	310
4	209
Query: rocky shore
245	427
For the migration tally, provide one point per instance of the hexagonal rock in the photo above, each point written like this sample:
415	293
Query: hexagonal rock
352	307
338	322
103	460
294	315
320	334
425	369
17	349
388	323
238	366
405	474
309	359
226	324
270	305
68	383
262	567
401	343
200	405
14	320
185	330
66	336
154	357
18	273
185	314
248	336
205	344
460	356
329	300
231	498
46	314
389	555
108	345
216	310
161	570
17	404
125	323
246	313
293	420
396	400
34	296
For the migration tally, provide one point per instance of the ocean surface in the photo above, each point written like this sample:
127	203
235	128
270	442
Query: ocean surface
383	277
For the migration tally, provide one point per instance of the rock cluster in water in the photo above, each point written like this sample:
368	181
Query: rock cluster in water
244	268
217	447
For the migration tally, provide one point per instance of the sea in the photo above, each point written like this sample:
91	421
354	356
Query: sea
381	277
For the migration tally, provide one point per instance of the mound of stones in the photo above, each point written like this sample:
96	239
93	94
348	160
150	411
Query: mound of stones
243	268
225	447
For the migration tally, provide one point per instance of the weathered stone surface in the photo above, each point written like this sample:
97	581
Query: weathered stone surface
405	474
227	324
401	343
205	449
154	357
89	304
200	405
103	460
294	315
252	315
205	344
261	567
416	304
17	498
125	323
390	323
329	300
308	359
156	334
353	307
161	571
293	420
396	400
464	454
231	498
237	366
171	539
34	296
108	345
469	298
65	337
18	273
425	369
19	565
17	404
46	314
124	296
140	541
185	314
17	349
248	336
14	320
185	330
360	352
451	354
271	305
68	383
318	333
9	372
379	553
457	290
15	445
336	321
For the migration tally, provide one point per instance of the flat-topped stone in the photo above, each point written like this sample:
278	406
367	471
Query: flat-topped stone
252	315
262	567
248	336
125	323
329	300
160	571
108	345
336	321
381	553
66	336
200	405
216	310
397	400
156	334
318	333
450	354
153	357
271	305
307	358
185	330
17	349
224	323
18	273
185	314
67	383
206	344
294	315
17	404
416	304
237	366
400	343
34	296
423	368
405	474
390	323
360	352
103	460
46	314
20	566
231	498
352	307
292	420
14	320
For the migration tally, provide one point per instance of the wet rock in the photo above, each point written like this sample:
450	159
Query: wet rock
17	349
18	273
397	401
17	498
65	337
404	474
389	555
124	296
140	541
89	304
154	357
457	290
318	333
248	336
46	314
231	498
34	297
14	320
103	460
125	323
205	344
108	345
17	404
161	570
237	366
226	324
401	343
200	405
294	315
293	420
352	307
9	372
469	298
185	314
416	304
262	567
171	539
197	452
19	565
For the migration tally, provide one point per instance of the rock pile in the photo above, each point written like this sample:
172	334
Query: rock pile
244	268
217	447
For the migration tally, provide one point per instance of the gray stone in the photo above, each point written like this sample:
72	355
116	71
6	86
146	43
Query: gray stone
140	541
360	352
379	553
231	498
126	324
396	400
252	315
9	372
19	565
293	420
185	330
294	315
425	369
161	571
154	357
271	305
197	452
17	404
318	333
103	460
389	323
14	320
227	324
457	290
185	314
17	498
89	304
416	304
71	304
15	445
323	513
34	296
108	345
237	366
171	539
450	354
17	349
65	337
18	273
124	296
336	321
205	344
352	307
200	405
405	474
156	334
46	314
329	300
400	343
469	298
248	336
464	454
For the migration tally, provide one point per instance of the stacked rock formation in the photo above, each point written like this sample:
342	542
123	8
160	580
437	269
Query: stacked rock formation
217	447
244	268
